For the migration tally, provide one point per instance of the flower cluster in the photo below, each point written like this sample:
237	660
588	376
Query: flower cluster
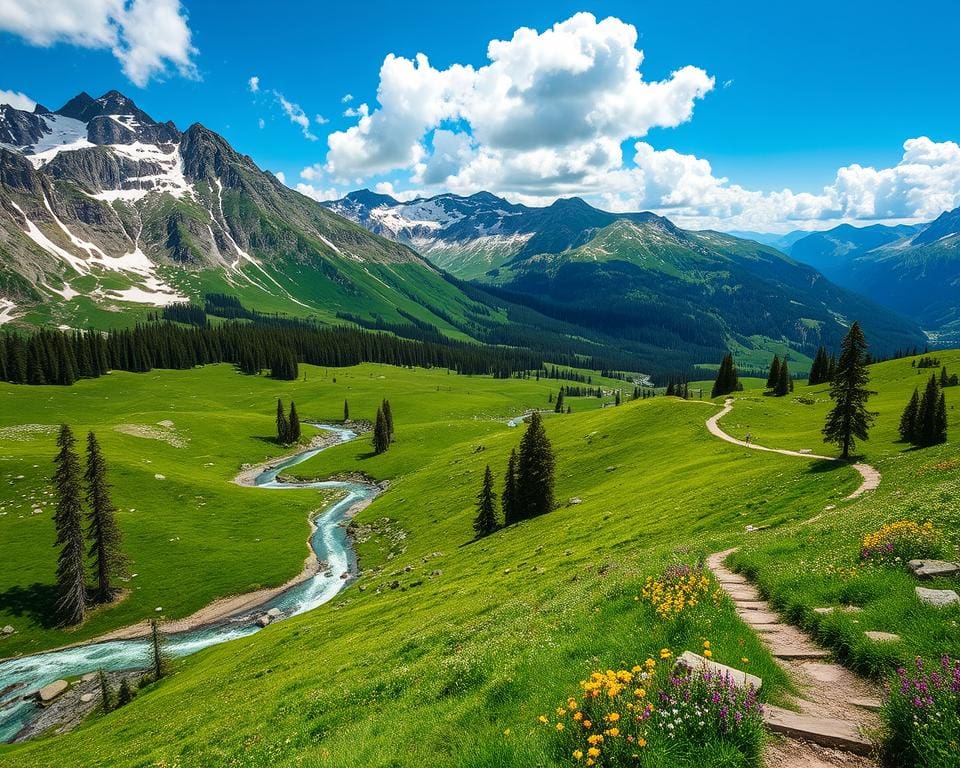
923	713
621	714
680	587
901	541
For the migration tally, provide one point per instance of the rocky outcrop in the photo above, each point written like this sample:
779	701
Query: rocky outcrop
20	128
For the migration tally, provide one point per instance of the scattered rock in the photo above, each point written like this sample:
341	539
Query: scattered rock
693	661
263	621
89	677
158	609
873	705
274	613
938	598
574	501
7	630
158	476
929	569
86	698
49	692
882	637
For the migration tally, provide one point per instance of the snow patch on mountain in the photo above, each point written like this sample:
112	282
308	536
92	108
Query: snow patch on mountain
7	308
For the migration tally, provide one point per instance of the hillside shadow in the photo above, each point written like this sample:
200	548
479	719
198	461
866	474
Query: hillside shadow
269	439
823	465
38	601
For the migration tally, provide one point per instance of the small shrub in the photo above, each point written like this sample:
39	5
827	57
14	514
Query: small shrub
895	543
922	713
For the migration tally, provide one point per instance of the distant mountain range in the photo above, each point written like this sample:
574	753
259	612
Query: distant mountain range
633	274
106	214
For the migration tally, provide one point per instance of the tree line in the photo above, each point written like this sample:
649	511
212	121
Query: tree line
924	420
63	357
528	482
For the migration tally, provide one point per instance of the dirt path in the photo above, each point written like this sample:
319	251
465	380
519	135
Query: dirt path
833	702
870	474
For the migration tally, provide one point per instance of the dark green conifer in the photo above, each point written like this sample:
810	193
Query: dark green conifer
535	470
159	656
388	418
106	695
125	694
346	411
102	531
908	420
783	379
293	424
558	408
71	570
511	510
486	522
283	426
381	433
773	377
849	420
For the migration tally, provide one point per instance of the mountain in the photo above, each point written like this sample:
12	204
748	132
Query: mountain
634	276
914	270
106	213
778	241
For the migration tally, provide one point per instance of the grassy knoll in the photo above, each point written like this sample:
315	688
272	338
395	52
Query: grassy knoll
816	563
193	536
446	650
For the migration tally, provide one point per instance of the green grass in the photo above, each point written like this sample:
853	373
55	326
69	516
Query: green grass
476	637
815	563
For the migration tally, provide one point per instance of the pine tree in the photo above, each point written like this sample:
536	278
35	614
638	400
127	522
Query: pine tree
727	380
940	431
820	370
159	657
616	400
125	694
931	425
535	470
71	571
558	408
782	386
774	376
849	420
106	696
381	433
102	531
283	427
293	425
670	389
908	421
486	522
346	411
511	510
388	419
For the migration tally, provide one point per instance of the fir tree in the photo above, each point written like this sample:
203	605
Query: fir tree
616	400
106	696
71	571
159	657
782	386
931	425
670	389
388	419
283	426
908	421
727	380
485	522
849	420
774	376
511	509
535	470
125	694
102	531
381	433
558	408
820	370
940	432
346	411
293	424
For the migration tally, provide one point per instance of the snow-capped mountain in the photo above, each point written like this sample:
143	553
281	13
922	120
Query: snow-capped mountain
103	207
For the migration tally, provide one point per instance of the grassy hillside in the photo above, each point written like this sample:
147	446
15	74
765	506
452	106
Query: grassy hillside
193	536
453	664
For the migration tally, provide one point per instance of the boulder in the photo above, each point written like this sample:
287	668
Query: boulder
929	569
86	698
274	613
89	677
574	501
882	637
694	661
938	598
263	621
7	630
49	692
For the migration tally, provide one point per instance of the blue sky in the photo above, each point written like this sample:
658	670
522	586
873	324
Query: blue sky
782	96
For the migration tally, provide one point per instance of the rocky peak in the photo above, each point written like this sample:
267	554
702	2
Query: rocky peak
207	155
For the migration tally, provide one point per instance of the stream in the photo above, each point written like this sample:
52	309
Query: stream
26	674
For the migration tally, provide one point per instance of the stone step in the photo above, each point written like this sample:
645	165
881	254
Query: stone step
694	661
793	653
874	705
753	605
827	732
759	617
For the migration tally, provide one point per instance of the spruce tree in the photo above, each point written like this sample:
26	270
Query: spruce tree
535	470
849	420
727	380
293	424
782	386
485	522
388	419
774	376
940	431
511	509
616	399
908	421
346	411
931	425
381	433
558	408
106	696
71	570
102	531
283	427
159	657
125	694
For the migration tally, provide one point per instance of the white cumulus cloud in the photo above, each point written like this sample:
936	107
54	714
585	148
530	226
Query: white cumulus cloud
17	100
147	37
253	84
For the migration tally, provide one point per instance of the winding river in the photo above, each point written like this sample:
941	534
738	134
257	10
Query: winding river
329	541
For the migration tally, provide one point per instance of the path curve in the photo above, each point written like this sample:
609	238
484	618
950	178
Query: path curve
870	474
